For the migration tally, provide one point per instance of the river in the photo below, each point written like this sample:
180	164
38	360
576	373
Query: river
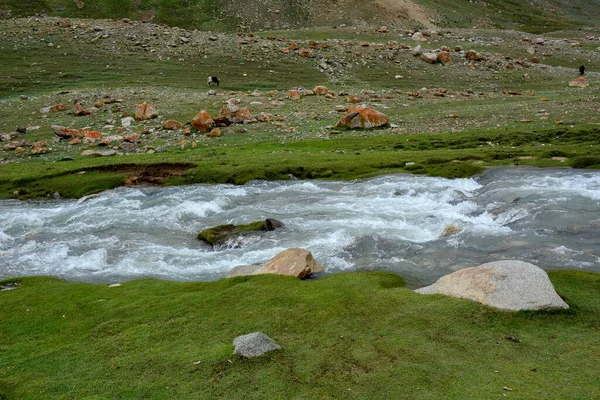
549	217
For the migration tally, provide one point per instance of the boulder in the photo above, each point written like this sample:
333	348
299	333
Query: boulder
254	344
202	122
579	82
68	133
322	91
508	285
450	230
171	125
293	262
295	95
145	112
431	58
99	153
444	58
418	36
235	114
230	234
417	51
243	270
306	53
262	117
472	55
79	110
363	117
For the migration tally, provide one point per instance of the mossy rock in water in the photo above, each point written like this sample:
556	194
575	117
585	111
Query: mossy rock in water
221	234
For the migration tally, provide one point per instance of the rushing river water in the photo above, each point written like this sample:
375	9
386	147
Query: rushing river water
393	223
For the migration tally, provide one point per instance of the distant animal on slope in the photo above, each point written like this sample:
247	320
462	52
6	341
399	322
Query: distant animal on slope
581	70
213	79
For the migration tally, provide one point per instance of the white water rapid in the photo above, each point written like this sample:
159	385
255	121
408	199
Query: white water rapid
393	223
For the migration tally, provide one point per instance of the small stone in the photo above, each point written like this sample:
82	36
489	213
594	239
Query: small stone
254	344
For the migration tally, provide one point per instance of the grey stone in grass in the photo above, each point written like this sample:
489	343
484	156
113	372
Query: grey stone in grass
509	285
254	344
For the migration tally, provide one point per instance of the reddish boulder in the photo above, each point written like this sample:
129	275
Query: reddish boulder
234	114
68	133
93	135
472	55
363	117
262	117
579	82
171	125
322	91
215	132
145	111
79	110
295	95
58	107
306	53
444	58
203	122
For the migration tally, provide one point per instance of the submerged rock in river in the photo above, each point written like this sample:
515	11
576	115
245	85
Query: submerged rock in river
233	234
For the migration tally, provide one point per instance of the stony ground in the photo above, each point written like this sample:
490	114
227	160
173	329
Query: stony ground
520	82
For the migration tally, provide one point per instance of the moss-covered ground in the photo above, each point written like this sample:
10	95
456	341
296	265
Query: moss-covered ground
348	336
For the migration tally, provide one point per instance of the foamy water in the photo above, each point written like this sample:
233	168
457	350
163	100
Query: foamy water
392	223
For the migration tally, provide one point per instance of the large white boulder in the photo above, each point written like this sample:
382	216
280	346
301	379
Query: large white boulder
508	285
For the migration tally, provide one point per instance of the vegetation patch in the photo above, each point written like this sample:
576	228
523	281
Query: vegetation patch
361	334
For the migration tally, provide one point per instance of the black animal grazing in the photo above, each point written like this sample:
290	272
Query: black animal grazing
581	70
212	79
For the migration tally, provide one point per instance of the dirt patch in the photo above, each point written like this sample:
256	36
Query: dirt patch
148	174
409	9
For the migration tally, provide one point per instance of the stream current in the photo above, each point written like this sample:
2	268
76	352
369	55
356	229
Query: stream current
391	223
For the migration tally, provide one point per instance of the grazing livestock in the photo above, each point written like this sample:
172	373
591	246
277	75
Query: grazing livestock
212	79
581	70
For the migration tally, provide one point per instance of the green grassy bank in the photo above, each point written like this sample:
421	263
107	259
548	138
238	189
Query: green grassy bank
348	336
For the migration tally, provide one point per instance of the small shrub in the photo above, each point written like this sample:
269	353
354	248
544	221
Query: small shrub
586	162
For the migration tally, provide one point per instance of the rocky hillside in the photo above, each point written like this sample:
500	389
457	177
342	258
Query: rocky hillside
235	15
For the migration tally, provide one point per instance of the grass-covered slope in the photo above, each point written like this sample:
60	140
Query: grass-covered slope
276	14
348	336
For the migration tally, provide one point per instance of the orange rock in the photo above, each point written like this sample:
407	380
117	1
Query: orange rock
285	50
234	114
19	150
472	55
75	141
39	143
171	125
322	90
309	93
93	135
145	111
262	117
68	133
59	107
294	46
132	138
99	104
295	95
353	99
203	121
104	142
363	117
579	82
187	131
306	53
79	110
444	58
38	150
215	132
534	60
